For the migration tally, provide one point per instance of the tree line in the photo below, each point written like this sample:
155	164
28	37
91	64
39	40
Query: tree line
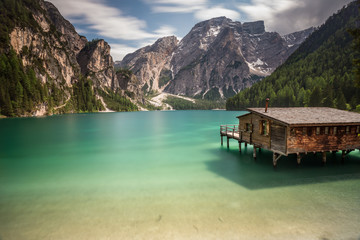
319	73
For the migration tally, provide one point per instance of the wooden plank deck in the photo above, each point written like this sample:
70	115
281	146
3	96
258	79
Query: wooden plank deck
231	131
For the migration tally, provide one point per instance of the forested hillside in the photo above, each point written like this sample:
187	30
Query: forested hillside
319	73
47	68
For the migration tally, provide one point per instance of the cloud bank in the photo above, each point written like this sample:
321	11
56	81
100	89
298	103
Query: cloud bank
286	16
128	33
111	23
201	9
107	21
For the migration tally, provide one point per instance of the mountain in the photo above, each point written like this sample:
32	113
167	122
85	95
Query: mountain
319	73
216	59
46	67
151	64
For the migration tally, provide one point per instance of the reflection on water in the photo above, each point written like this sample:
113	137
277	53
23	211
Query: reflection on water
240	167
164	175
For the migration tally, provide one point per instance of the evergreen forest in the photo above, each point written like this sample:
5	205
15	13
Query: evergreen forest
320	73
22	93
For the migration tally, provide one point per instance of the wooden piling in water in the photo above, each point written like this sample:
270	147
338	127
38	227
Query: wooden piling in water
323	157
343	154
298	158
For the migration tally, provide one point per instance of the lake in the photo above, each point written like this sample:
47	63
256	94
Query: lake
164	175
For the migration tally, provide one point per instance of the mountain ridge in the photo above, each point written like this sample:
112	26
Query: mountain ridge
48	68
318	73
248	54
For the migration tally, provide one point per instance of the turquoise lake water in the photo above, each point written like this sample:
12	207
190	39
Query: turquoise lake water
164	175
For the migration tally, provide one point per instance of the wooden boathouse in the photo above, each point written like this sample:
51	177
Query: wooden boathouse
298	130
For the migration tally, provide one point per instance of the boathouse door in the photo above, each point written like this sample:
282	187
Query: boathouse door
278	138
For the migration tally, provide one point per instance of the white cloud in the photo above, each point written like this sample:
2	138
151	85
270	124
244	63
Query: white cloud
107	21
172	6
118	51
217	11
178	2
201	9
174	9
286	16
165	30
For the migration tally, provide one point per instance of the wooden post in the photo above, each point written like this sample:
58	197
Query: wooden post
343	154
239	146
245	144
274	159
254	152
222	140
298	158
227	138
323	157
259	150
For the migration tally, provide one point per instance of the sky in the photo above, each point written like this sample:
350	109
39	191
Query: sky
128	25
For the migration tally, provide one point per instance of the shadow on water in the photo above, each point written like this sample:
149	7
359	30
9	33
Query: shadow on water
242	169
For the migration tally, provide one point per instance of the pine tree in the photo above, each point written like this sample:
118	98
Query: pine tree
315	97
355	32
340	101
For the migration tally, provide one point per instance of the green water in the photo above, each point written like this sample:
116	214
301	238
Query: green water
164	175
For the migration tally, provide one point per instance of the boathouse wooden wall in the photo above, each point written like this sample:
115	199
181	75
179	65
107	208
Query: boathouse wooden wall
255	135
278	133
245	134
309	139
286	139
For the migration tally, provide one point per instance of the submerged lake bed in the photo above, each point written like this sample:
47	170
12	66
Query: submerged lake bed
164	175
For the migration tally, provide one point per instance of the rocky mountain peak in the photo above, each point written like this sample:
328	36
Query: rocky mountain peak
297	38
95	59
151	64
257	27
165	44
216	59
63	26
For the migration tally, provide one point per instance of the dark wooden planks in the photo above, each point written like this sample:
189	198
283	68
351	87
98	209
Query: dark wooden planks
278	138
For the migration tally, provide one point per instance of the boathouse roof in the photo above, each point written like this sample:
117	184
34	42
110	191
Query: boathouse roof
309	115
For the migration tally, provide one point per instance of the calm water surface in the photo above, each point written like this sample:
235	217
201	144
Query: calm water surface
164	175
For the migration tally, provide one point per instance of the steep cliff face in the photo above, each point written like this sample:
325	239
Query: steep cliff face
296	38
212	73
216	59
95	61
129	83
152	64
219	58
52	68
75	41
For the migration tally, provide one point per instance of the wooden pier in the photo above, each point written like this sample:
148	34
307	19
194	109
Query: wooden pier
297	131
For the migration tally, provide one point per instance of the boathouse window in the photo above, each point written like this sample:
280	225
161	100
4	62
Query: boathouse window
357	129
304	130
292	132
347	129
263	127
335	131
326	130
317	130
309	131
248	127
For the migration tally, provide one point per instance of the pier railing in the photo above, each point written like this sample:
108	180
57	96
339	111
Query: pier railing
229	129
